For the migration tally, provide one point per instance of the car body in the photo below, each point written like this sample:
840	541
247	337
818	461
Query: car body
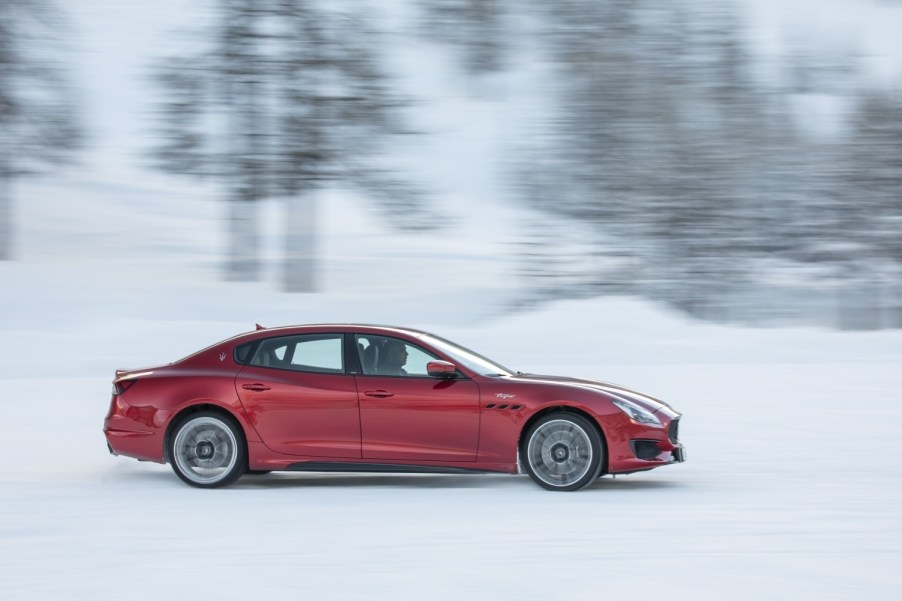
345	397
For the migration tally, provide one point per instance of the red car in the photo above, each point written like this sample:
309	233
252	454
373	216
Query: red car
378	399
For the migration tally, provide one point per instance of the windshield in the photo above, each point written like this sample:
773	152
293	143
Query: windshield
467	358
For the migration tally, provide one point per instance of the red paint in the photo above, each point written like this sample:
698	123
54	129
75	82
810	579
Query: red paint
423	419
307	414
472	421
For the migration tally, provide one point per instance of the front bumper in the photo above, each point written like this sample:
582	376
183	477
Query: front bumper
634	447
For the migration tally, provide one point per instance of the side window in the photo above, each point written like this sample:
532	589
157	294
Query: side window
243	352
387	356
320	353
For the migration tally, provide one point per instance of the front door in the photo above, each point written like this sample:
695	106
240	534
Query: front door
406	415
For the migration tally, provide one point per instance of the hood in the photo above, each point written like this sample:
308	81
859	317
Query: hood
643	400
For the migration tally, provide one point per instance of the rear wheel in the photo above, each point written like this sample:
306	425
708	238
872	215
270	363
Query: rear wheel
207	450
562	451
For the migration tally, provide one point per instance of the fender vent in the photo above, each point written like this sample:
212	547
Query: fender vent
503	406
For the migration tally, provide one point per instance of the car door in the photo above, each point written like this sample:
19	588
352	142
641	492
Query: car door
406	415
300	398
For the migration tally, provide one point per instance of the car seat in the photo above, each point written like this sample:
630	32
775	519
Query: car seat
370	359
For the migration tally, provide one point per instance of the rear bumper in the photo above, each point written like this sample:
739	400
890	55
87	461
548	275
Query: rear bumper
125	437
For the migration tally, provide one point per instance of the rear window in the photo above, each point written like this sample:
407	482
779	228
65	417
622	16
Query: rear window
243	353
320	353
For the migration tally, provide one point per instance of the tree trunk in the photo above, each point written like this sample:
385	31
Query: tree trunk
243	241
300	242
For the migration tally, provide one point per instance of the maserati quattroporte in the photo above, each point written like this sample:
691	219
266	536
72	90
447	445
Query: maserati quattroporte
379	399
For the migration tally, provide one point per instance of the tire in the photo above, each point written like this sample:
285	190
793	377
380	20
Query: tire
563	452
207	450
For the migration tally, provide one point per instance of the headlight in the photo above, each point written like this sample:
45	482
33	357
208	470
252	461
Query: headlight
636	413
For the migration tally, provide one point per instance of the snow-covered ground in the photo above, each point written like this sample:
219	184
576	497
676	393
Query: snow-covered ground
792	490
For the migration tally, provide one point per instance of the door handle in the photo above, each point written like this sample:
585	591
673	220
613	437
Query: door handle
255	387
379	394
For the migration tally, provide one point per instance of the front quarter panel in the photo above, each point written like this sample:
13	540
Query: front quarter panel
508	406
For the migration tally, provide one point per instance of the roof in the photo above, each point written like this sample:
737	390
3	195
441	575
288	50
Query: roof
340	327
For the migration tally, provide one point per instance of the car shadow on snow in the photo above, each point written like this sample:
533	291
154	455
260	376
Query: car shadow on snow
432	481
285	480
632	483
340	480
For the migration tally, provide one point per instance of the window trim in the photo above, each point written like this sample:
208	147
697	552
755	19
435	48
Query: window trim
353	365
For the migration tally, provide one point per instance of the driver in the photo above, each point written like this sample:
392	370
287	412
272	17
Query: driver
393	358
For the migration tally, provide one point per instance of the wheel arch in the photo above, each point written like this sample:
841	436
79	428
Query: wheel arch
564	409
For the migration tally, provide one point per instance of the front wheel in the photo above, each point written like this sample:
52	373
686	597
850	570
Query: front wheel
562	451
207	450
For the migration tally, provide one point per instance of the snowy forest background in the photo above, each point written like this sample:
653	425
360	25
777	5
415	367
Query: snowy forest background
582	188
739	161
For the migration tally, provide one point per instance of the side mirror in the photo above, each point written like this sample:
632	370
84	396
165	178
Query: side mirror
441	369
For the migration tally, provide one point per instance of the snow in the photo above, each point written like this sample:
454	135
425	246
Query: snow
792	488
777	500
793	484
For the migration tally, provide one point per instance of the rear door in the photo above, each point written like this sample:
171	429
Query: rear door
300	398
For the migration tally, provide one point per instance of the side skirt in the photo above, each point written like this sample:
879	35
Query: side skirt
326	466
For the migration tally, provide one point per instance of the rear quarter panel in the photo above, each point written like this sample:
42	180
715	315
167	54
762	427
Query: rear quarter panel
141	415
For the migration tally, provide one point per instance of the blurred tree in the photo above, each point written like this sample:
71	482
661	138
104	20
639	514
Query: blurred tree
661	141
306	106
873	215
38	126
476	26
335	113
868	221
211	123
